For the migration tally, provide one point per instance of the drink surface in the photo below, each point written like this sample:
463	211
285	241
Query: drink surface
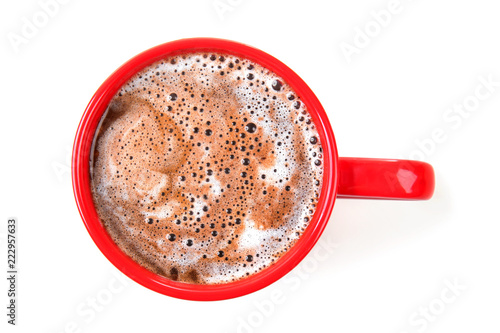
206	168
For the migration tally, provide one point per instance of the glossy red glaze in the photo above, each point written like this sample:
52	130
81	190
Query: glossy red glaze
81	177
373	178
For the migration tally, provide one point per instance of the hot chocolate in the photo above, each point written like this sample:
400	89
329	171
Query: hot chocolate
206	168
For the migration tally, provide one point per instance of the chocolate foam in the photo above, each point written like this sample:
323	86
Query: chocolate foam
207	168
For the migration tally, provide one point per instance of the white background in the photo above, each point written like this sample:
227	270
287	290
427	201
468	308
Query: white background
388	261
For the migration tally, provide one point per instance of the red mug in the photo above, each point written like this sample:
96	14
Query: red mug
342	177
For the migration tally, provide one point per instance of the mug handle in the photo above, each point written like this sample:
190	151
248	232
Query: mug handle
374	178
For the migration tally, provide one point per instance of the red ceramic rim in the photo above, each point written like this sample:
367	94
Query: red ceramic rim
81	173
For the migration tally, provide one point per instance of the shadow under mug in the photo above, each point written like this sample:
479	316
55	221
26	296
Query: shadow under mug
342	177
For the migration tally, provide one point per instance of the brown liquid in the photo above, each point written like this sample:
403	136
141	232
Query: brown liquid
207	168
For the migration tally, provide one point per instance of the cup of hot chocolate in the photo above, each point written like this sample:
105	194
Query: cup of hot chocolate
206	169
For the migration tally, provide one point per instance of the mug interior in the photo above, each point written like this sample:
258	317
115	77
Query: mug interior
81	172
